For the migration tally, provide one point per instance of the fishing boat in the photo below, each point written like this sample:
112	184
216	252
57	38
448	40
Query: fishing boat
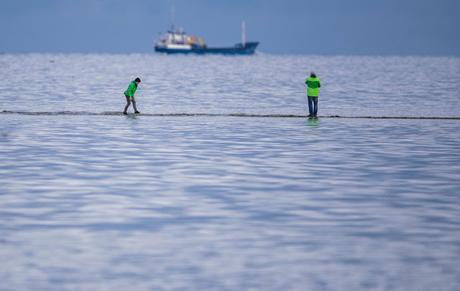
179	42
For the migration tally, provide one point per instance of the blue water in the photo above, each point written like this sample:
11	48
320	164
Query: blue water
229	203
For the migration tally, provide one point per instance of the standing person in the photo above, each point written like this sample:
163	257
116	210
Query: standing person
313	84
129	94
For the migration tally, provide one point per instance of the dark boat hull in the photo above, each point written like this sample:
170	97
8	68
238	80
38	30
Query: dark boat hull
248	49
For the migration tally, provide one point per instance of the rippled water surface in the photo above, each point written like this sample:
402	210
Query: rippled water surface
229	203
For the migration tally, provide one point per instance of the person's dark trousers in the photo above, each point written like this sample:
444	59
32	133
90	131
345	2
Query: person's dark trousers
313	106
128	102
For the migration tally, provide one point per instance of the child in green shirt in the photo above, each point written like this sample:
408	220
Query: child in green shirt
129	94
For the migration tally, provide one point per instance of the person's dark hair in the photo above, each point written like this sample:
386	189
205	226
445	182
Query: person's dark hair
137	80
313	75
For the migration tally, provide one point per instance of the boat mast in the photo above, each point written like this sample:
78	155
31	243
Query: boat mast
243	33
173	17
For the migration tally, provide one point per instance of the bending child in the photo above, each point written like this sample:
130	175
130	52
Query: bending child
129	94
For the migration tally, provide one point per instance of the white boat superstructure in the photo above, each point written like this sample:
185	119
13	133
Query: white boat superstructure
179	40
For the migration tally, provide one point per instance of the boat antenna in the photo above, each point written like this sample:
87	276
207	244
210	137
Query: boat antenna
173	17
243	33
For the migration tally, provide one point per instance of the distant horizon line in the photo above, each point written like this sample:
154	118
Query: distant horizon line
258	53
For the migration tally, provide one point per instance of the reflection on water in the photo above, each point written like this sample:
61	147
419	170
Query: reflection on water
135	203
111	202
313	121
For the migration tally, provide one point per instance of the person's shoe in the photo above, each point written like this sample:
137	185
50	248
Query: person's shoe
137	112
125	113
309	116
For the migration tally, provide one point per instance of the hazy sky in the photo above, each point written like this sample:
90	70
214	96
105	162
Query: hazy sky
422	27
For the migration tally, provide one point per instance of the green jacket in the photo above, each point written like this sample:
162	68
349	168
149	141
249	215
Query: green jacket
131	89
313	85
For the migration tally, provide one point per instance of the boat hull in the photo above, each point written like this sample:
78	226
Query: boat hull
239	49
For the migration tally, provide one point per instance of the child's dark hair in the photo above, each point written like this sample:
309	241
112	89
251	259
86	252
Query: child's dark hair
137	80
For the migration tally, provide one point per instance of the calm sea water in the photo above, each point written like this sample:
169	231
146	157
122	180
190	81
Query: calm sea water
229	203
